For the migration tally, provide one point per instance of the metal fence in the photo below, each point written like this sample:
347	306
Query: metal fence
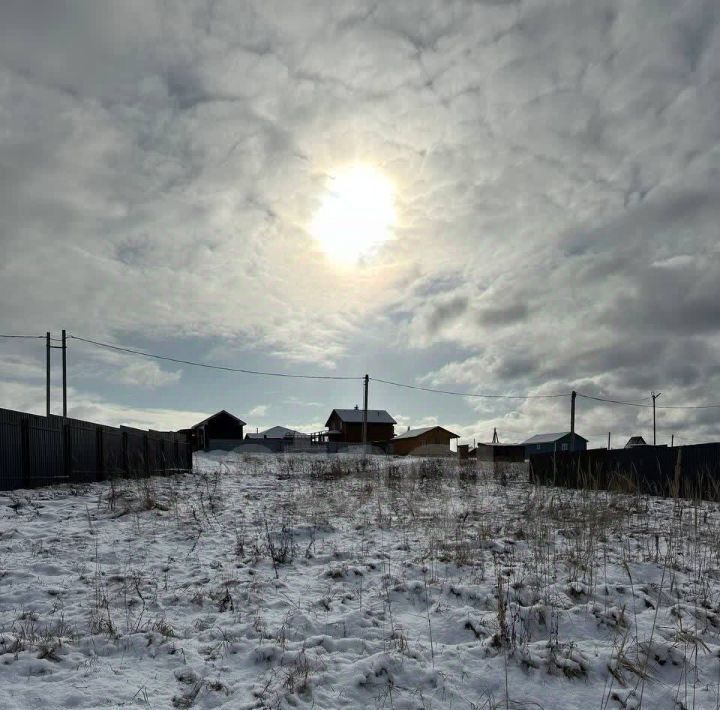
683	471
40	451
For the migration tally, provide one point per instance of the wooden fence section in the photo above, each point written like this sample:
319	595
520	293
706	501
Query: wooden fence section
40	451
684	471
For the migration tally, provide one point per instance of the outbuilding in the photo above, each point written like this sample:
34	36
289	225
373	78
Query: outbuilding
222	430
425	441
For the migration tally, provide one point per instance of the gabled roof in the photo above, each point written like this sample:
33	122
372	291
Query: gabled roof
551	438
212	416
355	416
414	433
277	432
635	441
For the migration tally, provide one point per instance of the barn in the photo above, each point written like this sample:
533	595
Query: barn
554	443
346	425
222	430
426	441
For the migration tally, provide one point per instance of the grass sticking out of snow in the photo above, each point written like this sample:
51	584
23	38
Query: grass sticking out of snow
310	582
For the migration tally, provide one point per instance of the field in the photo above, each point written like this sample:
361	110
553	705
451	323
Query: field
333	582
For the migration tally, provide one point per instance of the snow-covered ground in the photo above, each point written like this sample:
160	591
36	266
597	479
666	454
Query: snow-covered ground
309	582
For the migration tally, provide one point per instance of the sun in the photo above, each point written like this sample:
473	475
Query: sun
356	215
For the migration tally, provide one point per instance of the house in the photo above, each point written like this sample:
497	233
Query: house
552	443
426	441
634	441
346	425
500	452
278	432
219	431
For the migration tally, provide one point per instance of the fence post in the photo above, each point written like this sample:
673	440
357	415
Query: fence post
176	457
25	452
99	455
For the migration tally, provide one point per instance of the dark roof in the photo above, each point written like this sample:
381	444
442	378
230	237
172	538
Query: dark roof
414	433
635	441
355	416
212	416
550	438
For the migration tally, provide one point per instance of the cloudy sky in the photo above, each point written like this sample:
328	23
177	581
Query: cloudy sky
555	183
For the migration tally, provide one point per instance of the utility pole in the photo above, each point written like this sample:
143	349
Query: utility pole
654	397
366	380
47	374
64	372
608	441
495	436
672	441
573	396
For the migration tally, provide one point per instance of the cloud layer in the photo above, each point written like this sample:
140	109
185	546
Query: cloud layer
557	166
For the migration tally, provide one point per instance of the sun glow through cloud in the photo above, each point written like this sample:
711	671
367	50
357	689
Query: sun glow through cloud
356	215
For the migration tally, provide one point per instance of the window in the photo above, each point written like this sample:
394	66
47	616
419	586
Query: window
564	447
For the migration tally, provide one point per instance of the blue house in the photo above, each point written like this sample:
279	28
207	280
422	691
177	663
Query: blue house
554	443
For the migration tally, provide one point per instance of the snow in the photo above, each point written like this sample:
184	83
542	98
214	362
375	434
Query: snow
326	582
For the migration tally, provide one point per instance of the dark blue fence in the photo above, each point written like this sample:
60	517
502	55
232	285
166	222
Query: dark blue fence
39	451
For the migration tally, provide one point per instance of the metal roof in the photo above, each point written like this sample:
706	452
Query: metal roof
277	432
355	416
212	416
550	438
413	433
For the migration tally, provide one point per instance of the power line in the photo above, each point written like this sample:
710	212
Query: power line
472	394
208	366
645	404
2	335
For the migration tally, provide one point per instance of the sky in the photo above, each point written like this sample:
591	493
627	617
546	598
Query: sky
555	168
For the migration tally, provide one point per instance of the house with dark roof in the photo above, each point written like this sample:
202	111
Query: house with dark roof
424	441
221	430
345	425
634	441
555	443
277	432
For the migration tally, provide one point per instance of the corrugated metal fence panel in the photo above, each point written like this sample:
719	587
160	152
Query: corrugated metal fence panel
36	450
83	452
686	471
11	471
45	455
113	457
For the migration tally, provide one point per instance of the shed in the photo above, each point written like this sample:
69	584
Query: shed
345	425
557	442
222	430
426	441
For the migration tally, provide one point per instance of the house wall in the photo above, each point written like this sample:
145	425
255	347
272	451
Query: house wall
431	439
351	432
488	452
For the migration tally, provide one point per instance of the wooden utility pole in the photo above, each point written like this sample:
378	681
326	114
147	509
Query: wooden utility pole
366	380
495	439
654	397
47	374
573	396
64	372
608	441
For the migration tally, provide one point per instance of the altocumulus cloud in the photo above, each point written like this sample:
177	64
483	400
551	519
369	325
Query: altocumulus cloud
556	166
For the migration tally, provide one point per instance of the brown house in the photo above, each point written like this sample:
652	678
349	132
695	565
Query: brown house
428	441
345	425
